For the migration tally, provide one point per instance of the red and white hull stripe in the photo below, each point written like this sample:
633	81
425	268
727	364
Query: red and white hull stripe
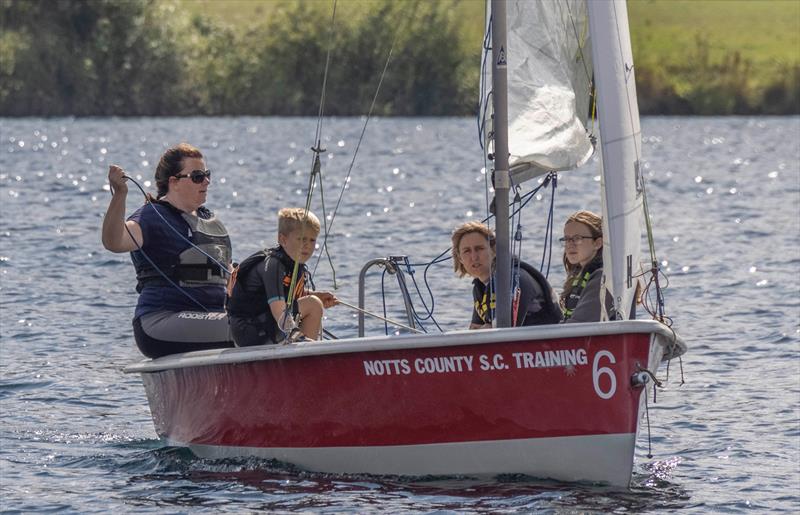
551	402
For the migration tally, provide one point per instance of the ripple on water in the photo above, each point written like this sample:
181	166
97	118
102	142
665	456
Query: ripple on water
740	370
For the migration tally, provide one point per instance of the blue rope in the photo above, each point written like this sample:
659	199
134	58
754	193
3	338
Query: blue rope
547	252
428	311
445	256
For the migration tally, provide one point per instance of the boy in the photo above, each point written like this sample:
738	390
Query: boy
260	287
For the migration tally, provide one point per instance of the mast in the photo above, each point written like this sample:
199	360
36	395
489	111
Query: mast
501	177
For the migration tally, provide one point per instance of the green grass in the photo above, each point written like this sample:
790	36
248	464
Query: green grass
264	56
692	56
244	13
765	32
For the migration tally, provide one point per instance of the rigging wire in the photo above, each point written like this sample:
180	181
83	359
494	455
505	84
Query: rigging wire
385	320
486	139
346	181
483	94
316	168
655	270
318	138
443	256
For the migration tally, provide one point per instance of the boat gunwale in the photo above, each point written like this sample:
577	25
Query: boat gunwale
227	356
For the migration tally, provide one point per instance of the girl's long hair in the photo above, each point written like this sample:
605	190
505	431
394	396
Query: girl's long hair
595	224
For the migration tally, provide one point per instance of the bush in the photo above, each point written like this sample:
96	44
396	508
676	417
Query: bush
152	57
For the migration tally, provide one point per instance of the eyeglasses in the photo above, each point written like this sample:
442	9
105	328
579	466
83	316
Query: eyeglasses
576	239
197	176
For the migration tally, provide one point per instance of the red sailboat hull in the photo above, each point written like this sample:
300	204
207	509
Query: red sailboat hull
553	402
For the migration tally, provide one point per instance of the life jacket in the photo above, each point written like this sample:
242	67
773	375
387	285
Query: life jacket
579	284
191	267
245	300
484	306
550	313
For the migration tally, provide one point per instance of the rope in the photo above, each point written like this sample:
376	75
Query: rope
358	146
656	384
316	167
318	138
185	293
314	171
428	311
647	416
384	319
223	267
444	256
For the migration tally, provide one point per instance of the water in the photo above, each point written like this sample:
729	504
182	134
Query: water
76	432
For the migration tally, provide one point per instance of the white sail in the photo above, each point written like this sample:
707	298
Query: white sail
620	142
549	74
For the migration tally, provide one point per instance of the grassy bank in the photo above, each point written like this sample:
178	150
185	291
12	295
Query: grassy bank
692	56
717	56
256	57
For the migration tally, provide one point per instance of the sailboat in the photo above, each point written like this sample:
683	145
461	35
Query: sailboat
561	401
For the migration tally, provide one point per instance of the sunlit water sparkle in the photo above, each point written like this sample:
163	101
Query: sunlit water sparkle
76	432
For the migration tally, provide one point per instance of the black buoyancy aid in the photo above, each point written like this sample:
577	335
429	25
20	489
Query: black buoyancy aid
246	301
579	284
550	313
192	267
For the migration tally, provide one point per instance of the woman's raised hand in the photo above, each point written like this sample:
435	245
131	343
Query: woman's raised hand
116	179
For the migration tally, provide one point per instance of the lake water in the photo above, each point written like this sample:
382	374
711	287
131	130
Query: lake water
76	432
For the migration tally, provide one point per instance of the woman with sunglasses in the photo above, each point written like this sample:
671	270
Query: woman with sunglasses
583	261
181	253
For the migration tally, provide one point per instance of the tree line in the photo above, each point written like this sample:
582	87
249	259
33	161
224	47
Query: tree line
153	58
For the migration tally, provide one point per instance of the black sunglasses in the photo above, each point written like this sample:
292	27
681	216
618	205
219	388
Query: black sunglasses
197	176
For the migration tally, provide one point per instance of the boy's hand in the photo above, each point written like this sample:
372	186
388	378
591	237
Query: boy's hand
328	299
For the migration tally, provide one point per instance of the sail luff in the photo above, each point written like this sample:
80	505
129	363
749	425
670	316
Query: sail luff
620	142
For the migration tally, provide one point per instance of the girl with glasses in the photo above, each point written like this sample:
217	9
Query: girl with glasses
583	262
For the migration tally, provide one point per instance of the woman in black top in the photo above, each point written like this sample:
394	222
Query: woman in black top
473	255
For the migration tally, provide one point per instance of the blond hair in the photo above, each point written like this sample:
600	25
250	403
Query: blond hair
291	219
461	231
594	223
